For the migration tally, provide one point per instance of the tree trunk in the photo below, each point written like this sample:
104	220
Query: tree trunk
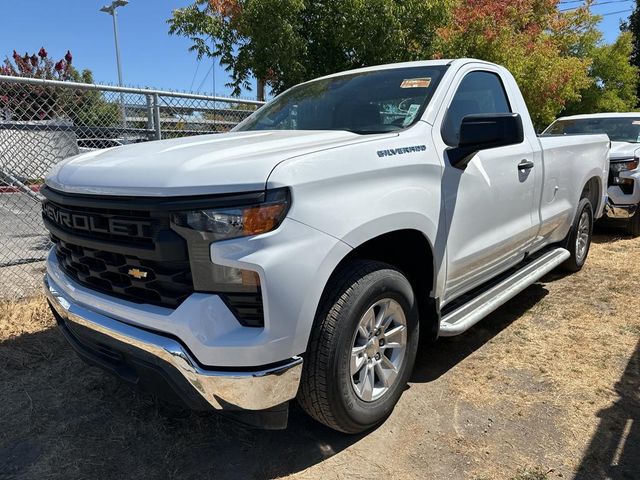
261	89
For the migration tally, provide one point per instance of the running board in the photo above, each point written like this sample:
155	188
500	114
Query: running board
470	313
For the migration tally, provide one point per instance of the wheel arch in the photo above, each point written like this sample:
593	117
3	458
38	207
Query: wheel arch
593	190
411	252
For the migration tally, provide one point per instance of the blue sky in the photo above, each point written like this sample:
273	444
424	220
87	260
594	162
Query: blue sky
150	57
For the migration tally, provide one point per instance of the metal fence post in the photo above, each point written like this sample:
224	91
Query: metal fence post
156	116
149	99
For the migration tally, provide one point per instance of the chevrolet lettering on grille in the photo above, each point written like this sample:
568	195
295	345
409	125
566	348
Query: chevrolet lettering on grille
86	222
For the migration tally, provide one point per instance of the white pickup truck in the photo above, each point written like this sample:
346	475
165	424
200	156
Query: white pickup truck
623	130
304	254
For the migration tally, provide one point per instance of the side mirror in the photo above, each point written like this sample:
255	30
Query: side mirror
484	131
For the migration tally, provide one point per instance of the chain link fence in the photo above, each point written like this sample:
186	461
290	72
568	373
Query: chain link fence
43	122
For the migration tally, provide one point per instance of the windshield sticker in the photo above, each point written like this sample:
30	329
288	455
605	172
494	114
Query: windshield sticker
411	114
635	122
401	150
416	82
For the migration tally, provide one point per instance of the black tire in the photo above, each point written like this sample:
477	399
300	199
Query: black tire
575	262
634	225
327	392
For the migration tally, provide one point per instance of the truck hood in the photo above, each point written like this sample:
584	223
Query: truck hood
209	164
621	150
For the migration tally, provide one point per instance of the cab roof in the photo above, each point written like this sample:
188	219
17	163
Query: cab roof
419	63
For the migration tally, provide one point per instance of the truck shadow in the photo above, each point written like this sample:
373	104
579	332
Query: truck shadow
614	450
609	232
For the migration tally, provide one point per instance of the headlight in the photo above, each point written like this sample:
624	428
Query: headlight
624	165
233	222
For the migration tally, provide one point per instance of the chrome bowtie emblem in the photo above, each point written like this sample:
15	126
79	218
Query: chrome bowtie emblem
137	273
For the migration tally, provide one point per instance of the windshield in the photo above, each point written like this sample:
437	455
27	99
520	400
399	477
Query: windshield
371	102
619	129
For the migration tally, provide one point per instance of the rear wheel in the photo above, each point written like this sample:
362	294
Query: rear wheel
579	239
362	348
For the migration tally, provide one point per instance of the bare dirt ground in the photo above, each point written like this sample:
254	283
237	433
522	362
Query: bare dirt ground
547	387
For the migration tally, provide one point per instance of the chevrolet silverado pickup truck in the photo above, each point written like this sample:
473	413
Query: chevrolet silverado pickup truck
304	254
623	190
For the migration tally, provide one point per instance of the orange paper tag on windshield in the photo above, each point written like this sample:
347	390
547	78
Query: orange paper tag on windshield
416	82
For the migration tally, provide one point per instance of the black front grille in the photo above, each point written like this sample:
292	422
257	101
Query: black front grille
126	276
126	247
121	250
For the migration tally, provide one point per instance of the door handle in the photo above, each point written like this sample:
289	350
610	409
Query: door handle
525	165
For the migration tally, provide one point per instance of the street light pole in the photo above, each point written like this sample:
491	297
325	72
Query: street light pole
112	10
115	35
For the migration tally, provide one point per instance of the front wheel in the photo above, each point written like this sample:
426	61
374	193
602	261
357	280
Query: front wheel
362	347
579	239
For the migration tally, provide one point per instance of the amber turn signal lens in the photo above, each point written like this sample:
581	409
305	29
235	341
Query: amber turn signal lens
250	278
262	219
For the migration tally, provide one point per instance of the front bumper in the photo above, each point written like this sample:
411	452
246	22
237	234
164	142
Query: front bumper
623	204
614	211
137	355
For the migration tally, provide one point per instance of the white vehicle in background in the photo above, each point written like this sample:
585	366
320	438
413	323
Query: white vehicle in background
305	253
624	173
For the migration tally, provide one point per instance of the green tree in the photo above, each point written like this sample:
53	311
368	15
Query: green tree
89	107
633	26
284	42
613	79
543	48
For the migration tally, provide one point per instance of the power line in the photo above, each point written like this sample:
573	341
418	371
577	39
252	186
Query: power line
562	2
205	78
594	4
197	67
628	10
194	76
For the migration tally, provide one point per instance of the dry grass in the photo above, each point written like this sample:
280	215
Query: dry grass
545	388
20	318
575	342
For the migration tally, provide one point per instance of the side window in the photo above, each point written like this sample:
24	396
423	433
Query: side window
479	92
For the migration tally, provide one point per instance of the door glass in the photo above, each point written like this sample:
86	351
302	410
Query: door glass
479	92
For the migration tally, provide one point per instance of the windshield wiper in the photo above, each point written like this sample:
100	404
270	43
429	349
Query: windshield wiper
369	132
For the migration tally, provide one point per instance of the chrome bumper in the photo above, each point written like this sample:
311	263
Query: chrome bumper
122	348
620	211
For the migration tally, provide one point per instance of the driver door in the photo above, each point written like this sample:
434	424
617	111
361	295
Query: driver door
489	205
